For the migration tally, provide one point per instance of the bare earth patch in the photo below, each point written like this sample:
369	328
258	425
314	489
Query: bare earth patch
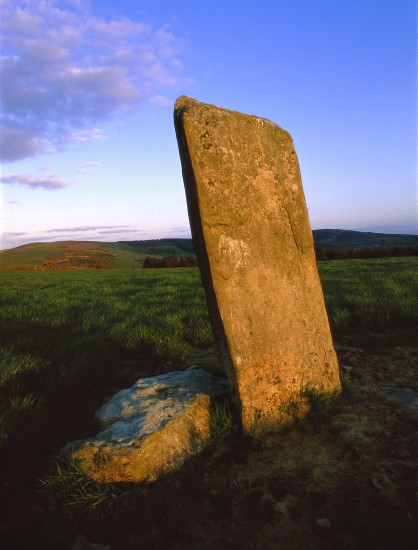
78	255
349	482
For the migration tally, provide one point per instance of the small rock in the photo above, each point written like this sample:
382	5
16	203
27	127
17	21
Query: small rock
381	482
281	507
151	428
285	505
323	524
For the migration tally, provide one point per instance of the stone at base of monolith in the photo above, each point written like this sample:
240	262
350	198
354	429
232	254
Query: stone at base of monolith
151	428
254	244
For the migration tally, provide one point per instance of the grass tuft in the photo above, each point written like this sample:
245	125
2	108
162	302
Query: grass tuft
20	419
80	502
322	404
222	423
346	384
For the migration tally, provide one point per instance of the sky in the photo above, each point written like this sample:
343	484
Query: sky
88	148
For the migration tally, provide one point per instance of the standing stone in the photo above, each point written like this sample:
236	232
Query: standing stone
255	249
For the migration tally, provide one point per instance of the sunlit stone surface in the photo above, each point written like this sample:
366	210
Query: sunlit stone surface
254	243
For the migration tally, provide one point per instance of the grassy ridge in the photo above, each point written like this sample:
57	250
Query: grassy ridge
82	254
33	254
361	239
72	254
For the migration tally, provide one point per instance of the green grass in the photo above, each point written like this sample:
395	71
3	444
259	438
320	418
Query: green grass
377	299
222	423
322	405
65	333
57	315
79	500
68	339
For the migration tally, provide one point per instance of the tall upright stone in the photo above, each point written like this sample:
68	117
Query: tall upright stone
255	249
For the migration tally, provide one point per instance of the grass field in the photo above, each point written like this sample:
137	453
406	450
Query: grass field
69	338
60	330
376	299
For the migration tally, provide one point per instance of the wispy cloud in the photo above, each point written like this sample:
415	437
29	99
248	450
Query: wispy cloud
64	70
183	231
160	100
84	228
26	180
88	167
15	234
123	231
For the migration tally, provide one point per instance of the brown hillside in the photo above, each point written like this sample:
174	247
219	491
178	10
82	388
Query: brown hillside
59	255
77	255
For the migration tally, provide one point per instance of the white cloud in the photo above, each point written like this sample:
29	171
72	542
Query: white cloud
65	69
123	231
88	167
26	180
95	134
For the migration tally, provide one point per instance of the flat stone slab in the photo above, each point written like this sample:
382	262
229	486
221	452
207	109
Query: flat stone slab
255	249
151	428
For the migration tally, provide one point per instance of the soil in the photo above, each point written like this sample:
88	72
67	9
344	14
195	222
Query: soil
347	482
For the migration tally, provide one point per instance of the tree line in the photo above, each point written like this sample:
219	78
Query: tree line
170	261
335	253
321	252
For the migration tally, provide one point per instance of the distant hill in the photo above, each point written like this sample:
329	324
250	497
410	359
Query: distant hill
164	247
87	254
71	255
344	238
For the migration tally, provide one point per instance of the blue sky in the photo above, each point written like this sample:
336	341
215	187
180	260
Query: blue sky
88	146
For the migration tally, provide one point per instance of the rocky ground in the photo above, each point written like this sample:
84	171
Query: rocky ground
347	481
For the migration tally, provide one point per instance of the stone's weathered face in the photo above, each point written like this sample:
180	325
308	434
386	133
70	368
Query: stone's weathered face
252	236
232	256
